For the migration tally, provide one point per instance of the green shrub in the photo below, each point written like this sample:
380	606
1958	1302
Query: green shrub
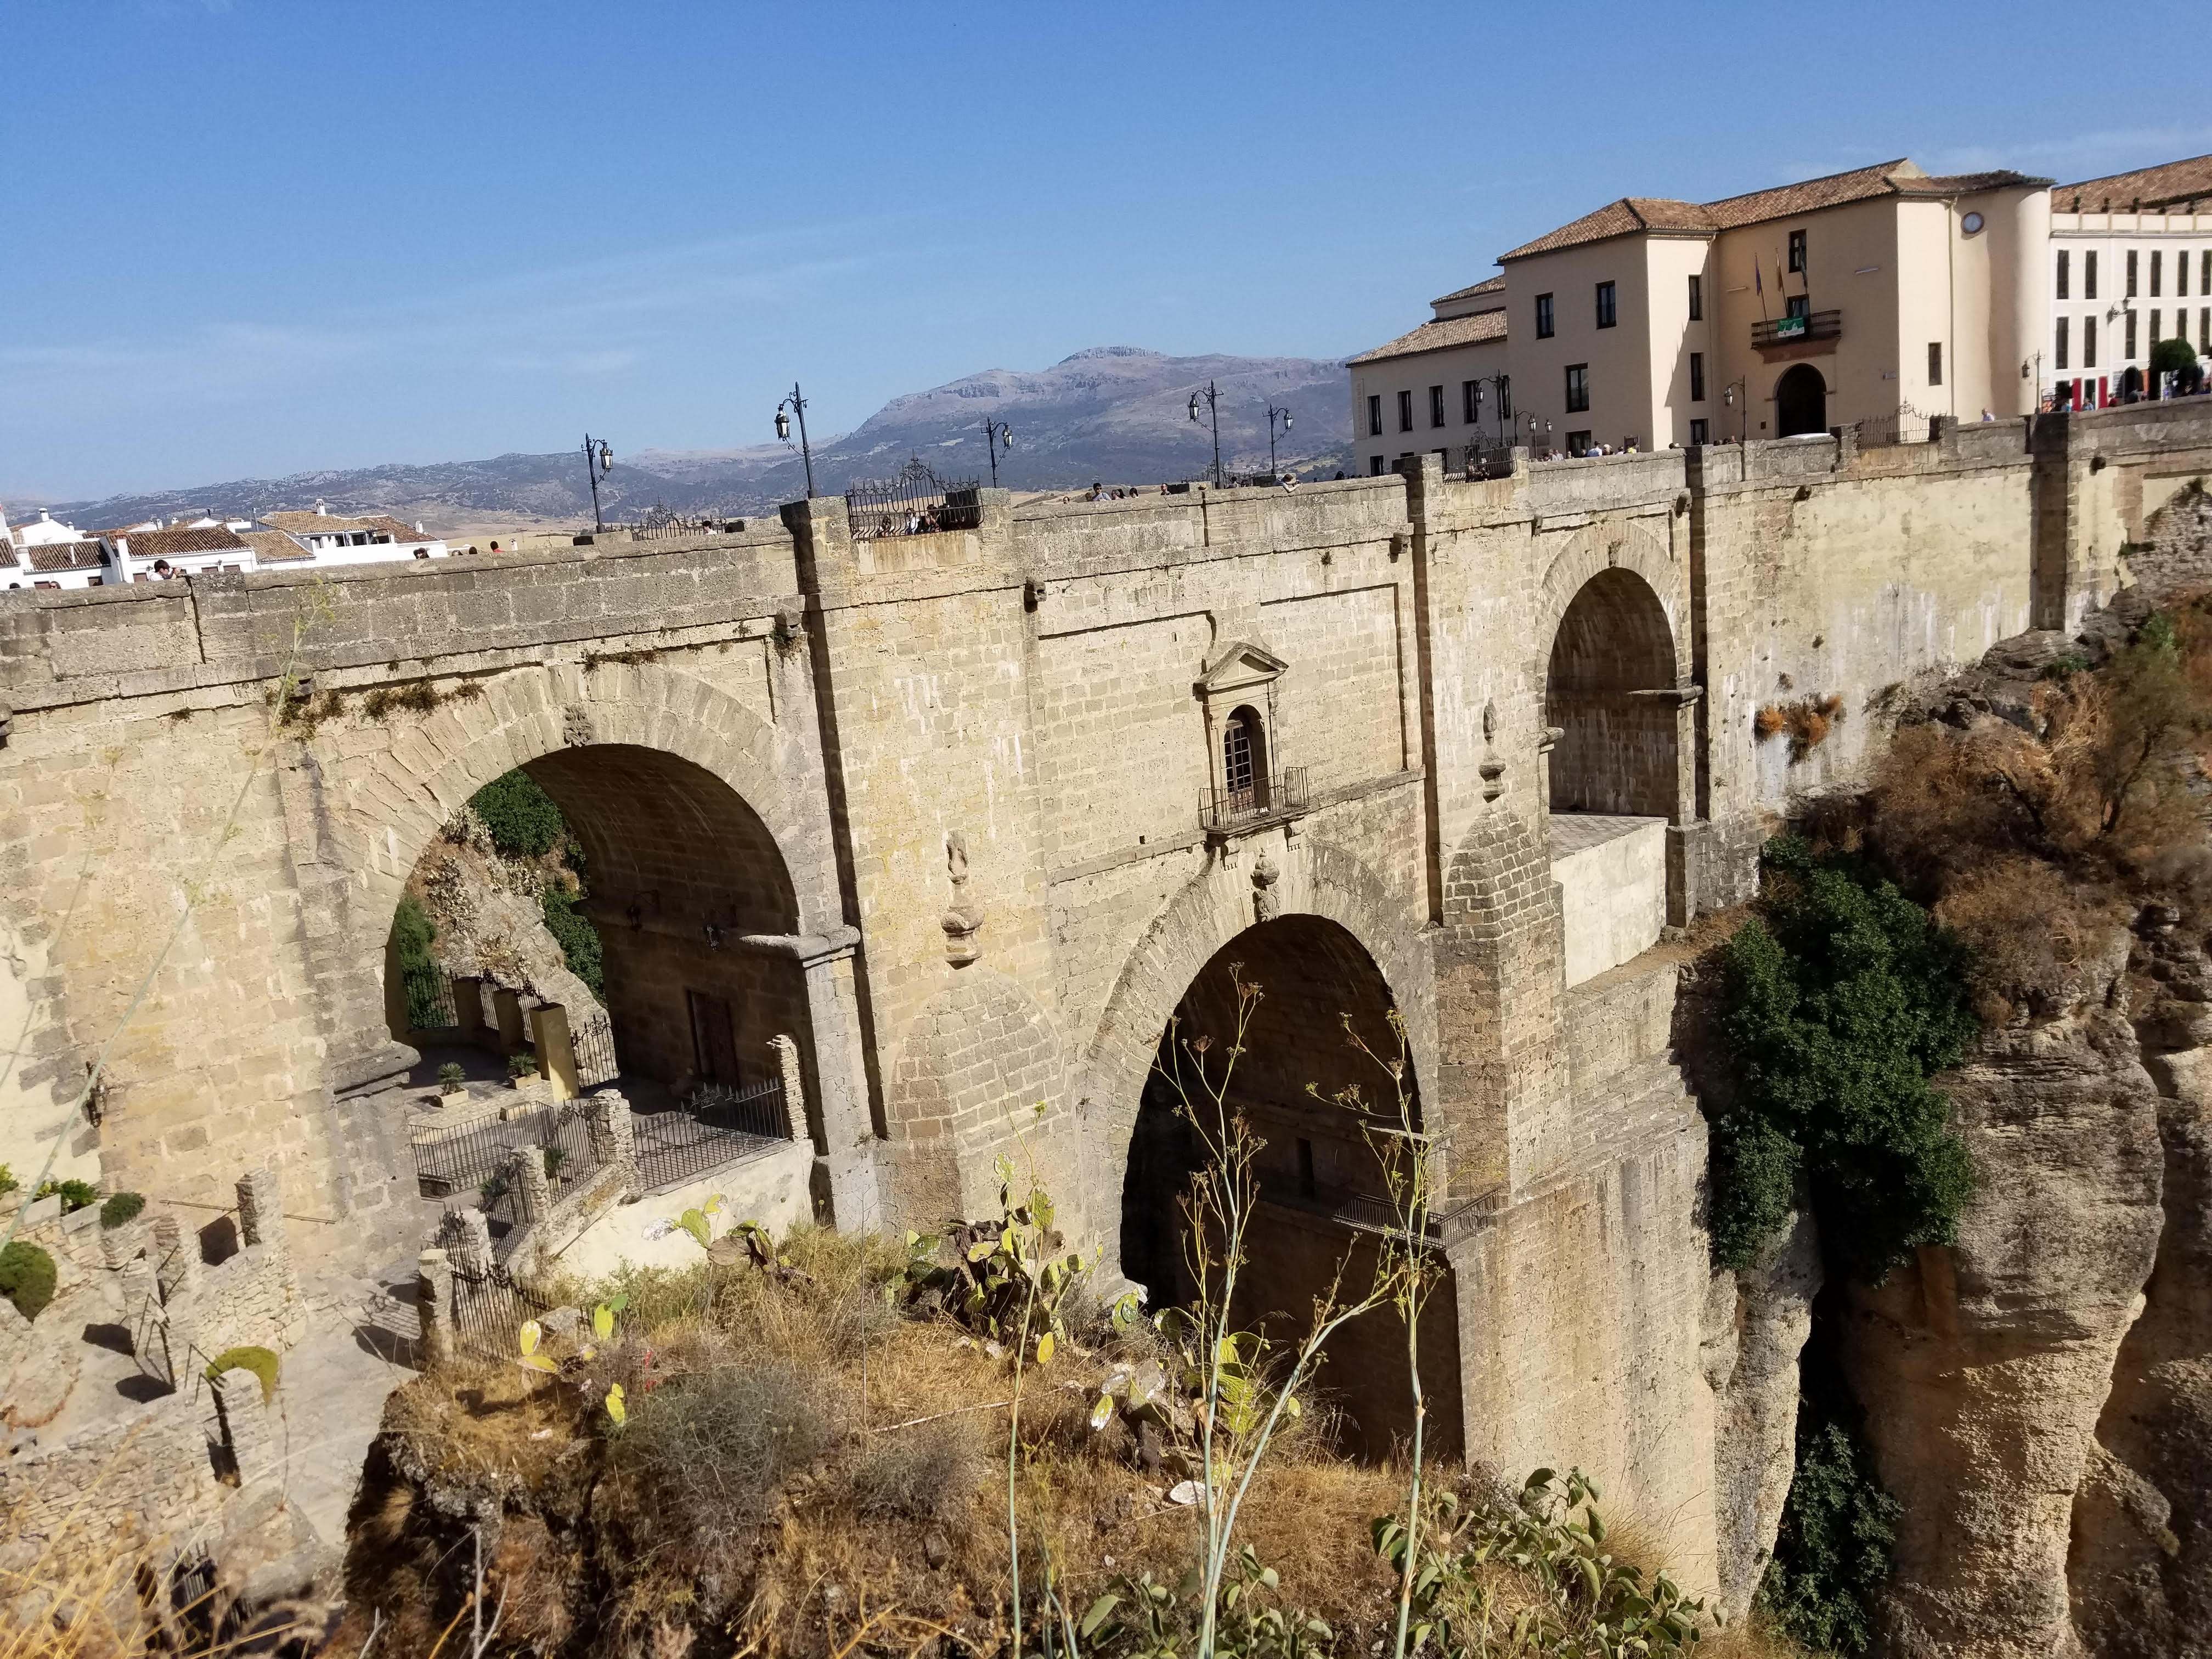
74	1195
1838	1533
7	1179
522	820
577	939
413	933
122	1209
259	1361
2172	356
450	1078
522	1064
1842	998
26	1277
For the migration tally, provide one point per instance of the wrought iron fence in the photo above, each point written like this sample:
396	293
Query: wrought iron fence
719	1126
429	999
1905	425
1279	794
593	1040
916	502
474	1160
490	1309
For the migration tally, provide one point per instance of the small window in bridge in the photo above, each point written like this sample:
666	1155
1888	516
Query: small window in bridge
1244	761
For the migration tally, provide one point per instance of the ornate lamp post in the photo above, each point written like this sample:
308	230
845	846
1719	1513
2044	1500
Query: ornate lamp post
597	459
1727	397
1212	405
1274	414
996	434
795	405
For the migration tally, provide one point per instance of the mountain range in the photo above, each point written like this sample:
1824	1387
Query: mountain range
1117	415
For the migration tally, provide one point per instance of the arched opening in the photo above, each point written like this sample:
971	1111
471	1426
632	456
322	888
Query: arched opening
1322	1198
1615	753
637	891
1244	762
1800	402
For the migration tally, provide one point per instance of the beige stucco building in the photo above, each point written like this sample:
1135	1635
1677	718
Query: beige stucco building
2129	265
1875	298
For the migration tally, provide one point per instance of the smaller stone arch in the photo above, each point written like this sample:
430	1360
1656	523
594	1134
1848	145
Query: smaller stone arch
1800	402
1608	689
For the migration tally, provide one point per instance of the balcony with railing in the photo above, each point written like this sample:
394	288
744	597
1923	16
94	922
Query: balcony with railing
1278	795
1770	332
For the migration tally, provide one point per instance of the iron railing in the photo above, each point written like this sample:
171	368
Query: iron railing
1906	425
1788	331
720	1127
490	1309
474	1160
1278	795
916	502
429	999
592	1041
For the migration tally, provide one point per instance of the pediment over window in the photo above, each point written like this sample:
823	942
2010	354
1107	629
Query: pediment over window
1238	668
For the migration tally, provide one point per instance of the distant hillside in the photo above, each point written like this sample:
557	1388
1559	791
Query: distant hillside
1115	414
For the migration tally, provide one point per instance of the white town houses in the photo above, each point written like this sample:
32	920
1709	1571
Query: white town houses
2130	266
47	554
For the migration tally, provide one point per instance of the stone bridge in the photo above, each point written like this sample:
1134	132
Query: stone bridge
977	812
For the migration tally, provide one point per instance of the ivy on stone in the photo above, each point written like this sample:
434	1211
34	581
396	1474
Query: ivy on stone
1842	998
577	939
522	820
1838	1534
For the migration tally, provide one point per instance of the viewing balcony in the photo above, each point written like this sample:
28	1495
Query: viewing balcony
1282	795
1769	333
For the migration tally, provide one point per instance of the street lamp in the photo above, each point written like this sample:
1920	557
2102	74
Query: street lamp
1727	397
1214	408
1274	414
996	434
795	405
1532	428
597	459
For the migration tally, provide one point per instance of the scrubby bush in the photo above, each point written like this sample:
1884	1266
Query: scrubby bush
260	1361
451	1080
927	1472
714	1449
524	822
7	1179
522	1064
577	939
122	1209
1838	1532
27	1277
1843	996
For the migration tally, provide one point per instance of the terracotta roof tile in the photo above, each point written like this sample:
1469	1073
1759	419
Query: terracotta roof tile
333	524
1440	336
1629	216
273	546
2164	186
1489	285
67	555
165	544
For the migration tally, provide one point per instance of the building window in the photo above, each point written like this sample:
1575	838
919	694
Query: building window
2157	322
1505	396
2205	328
1798	251
1374	466
1374	416
2157	272
1470	401
1577	388
1699	431
2204	271
2089	274
1244	762
1935	362
1406	411
1696	377
2129	351
2130	294
1436	405
1543	316
1697	299
1578	443
1607	315
2058	355
2181	275
1797	305
2088	342
2065	259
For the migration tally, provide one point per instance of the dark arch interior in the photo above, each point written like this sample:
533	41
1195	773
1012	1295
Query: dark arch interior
1615	752
1800	402
1314	1171
678	870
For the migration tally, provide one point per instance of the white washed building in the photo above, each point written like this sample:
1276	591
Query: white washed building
2129	265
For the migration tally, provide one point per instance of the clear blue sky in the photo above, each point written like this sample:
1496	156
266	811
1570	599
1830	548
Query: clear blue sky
251	237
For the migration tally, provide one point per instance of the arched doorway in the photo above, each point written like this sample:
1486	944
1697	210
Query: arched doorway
1800	402
640	892
1323	1202
1612	663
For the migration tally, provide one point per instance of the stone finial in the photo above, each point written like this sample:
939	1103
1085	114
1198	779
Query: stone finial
260	1207
466	1238
434	1306
964	920
794	1086
1266	903
1490	722
525	1179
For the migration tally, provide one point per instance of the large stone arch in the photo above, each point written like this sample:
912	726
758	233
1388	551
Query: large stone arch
1611	545
1310	876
